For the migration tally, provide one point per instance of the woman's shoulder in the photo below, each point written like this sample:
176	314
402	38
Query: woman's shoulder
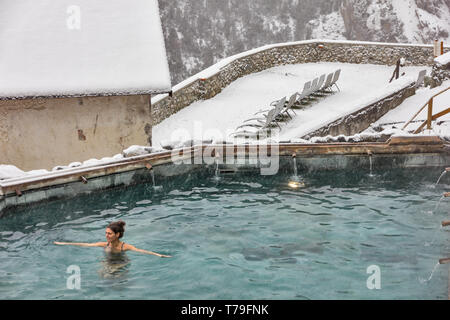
127	246
101	244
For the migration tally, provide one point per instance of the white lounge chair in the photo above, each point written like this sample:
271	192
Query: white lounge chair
327	84
336	76
260	121
420	78
263	126
314	91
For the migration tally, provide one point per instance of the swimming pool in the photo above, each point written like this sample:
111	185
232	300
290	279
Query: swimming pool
239	236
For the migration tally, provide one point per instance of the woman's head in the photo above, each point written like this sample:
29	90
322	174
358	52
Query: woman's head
116	230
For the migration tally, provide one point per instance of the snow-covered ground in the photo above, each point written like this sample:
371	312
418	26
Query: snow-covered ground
393	121
218	117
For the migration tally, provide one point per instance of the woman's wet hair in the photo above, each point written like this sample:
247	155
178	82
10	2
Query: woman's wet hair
118	226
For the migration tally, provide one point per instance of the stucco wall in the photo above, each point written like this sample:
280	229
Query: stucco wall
199	88
43	133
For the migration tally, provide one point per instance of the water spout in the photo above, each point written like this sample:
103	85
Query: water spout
432	272
445	223
440	177
444	261
295	181
294	157
437	205
370	162
217	172
153	177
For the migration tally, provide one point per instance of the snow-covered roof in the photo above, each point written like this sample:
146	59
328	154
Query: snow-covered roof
81	48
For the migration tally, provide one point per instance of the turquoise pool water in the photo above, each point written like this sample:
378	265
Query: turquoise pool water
239	237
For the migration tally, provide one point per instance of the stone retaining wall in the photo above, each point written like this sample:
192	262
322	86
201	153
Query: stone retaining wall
360	120
293	53
439	74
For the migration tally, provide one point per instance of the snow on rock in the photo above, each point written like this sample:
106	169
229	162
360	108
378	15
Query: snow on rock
443	59
328	27
418	24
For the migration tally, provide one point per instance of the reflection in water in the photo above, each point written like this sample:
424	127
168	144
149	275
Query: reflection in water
114	265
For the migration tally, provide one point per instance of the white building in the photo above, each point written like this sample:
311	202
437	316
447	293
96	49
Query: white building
76	78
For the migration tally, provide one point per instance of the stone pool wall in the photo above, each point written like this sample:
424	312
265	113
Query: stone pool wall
409	152
202	87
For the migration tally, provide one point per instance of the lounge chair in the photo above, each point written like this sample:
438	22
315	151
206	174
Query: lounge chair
287	107
420	78
315	91
260	121
314	87
327	84
302	97
261	127
336	76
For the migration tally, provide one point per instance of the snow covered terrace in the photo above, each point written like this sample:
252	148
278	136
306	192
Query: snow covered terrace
360	85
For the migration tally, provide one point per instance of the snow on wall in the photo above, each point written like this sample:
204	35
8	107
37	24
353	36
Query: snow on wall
443	59
83	47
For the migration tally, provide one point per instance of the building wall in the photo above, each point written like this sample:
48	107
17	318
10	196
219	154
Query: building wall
44	133
200	88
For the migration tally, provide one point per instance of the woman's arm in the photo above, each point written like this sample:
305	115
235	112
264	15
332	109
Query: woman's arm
81	244
133	248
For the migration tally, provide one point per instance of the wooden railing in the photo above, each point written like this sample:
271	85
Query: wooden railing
430	116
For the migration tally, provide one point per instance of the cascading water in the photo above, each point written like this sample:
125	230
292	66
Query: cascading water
217	171
370	164
440	177
295	181
431	275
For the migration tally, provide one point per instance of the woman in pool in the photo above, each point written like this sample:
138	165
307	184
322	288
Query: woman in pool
114	231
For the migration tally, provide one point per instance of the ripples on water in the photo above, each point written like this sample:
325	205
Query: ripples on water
238	238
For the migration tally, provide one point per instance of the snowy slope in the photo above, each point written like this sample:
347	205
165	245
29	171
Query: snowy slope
200	33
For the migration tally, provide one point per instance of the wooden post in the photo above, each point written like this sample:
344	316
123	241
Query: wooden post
442	47
430	114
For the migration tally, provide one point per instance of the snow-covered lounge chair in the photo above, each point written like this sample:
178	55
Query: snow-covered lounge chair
260	121
302	97
287	106
336	76
315	91
262	126
327	84
277	110
420	78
